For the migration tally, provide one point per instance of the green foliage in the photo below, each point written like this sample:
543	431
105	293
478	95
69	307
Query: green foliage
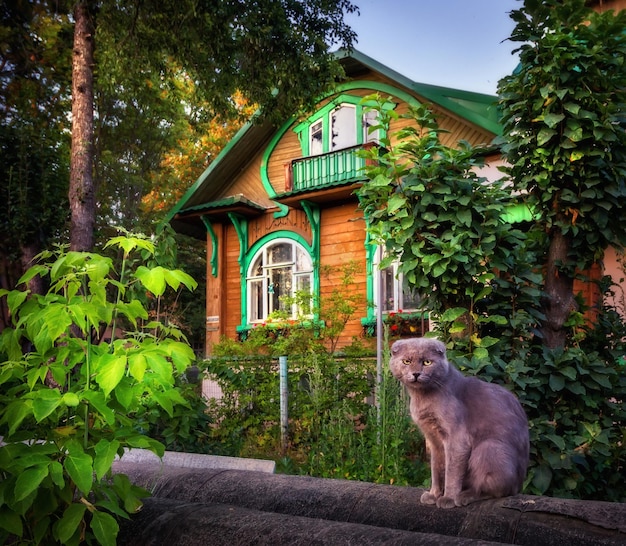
330	404
564	137
426	204
563	122
187	429
574	399
70	390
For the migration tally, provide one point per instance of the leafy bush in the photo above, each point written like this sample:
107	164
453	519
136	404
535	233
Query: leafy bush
331	403
573	397
71	386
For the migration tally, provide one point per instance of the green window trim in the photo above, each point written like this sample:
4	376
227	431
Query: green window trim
251	253
342	88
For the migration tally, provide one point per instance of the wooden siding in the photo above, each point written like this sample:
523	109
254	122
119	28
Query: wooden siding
296	221
342	240
288	148
232	283
249	184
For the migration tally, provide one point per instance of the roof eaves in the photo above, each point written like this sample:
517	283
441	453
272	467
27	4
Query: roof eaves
479	108
214	164
238	199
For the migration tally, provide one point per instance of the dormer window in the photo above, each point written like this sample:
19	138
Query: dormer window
342	123
316	145
343	127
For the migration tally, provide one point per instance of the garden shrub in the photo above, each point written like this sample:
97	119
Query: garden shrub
77	364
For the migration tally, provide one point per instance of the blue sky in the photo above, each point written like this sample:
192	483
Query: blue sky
454	43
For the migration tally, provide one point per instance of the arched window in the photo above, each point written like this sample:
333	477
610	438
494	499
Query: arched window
278	272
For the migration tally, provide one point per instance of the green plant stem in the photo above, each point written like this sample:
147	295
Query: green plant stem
118	298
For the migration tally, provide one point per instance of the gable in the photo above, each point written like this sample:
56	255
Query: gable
255	166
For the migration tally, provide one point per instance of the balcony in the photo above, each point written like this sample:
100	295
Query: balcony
325	170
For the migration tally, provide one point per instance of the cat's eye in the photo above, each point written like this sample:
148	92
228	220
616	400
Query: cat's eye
426	362
406	361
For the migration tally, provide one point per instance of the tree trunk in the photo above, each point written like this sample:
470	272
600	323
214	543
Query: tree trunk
81	190
29	252
558	300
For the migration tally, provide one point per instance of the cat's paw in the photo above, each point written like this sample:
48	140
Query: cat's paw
467	497
428	498
446	502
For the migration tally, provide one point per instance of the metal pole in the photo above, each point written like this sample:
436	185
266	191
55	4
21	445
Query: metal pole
284	397
379	330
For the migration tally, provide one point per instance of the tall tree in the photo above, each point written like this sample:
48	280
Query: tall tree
35	44
564	119
224	47
81	191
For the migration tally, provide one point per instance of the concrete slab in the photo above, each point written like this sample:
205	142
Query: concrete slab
197	460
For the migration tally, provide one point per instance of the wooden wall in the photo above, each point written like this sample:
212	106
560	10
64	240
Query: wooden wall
343	241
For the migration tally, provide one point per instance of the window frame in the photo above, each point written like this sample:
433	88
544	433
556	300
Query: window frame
398	292
256	282
362	120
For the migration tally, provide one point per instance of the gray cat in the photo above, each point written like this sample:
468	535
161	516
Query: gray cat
476	432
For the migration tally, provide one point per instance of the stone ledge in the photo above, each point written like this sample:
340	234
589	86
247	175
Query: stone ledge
195	460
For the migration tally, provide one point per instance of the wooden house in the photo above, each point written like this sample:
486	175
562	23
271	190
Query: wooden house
277	207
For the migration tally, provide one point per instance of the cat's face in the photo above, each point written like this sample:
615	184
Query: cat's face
419	363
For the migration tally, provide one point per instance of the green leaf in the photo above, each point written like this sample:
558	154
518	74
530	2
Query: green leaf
70	399
576	388
111	369
602	380
396	201
452	314
542	477
57	321
133	310
70	521
15	298
544	136
572	107
56	473
556	382
45	401
78	465
551	120
152	279
557	441
128	244
137	365
98	401
465	217
15	413
29	480
481	353
568	372
160	365
105	455
105	528
11	521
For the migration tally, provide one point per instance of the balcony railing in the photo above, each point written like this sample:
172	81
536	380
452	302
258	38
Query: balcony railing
310	173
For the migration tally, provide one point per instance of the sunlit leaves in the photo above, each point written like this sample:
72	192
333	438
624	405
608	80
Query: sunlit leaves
75	390
425	203
562	113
